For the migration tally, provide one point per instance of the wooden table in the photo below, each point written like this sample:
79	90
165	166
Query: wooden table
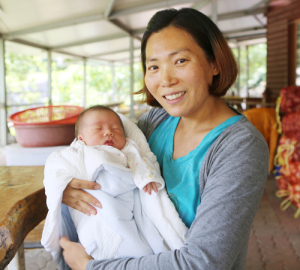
22	207
250	102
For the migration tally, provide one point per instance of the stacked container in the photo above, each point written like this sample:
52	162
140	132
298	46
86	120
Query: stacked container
287	160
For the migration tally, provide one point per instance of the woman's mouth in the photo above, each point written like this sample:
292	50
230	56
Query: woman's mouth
109	143
174	97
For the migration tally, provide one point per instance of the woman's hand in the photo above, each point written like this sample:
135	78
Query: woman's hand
74	254
75	197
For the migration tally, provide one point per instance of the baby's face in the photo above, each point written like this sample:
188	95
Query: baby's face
102	127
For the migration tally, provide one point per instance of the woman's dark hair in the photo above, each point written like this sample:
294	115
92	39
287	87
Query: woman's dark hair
78	123
206	34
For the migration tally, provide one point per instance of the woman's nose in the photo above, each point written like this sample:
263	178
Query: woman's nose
167	78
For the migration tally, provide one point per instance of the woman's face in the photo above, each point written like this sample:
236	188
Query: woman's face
178	74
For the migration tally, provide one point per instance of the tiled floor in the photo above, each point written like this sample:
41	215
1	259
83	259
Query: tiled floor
275	235
274	241
36	259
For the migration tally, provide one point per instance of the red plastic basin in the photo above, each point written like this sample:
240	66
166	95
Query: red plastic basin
46	126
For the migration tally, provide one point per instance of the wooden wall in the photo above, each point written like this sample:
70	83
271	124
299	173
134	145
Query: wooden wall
280	61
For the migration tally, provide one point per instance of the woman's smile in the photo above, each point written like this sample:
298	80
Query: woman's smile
174	96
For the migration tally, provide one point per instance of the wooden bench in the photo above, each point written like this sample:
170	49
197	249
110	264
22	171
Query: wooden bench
22	207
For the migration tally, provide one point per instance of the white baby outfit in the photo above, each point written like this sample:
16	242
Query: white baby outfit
131	223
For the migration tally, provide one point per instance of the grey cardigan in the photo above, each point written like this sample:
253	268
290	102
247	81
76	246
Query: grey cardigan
232	178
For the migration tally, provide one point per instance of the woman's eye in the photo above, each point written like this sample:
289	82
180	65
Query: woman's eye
180	61
153	68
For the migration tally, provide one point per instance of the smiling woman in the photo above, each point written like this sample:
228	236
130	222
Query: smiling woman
203	33
213	161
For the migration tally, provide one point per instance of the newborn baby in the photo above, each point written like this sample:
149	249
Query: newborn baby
131	223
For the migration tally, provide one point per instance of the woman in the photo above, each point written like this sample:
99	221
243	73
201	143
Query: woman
213	160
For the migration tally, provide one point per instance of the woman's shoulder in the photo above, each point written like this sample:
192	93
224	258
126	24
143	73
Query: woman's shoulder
240	154
151	120
245	129
240	139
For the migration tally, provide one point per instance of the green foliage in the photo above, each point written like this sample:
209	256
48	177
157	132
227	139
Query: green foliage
257	64
26	79
67	84
257	55
100	88
99	83
23	75
20	65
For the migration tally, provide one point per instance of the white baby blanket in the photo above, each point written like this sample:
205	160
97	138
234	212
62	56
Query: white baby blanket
116	230
109	165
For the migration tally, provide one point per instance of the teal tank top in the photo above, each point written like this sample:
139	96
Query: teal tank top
182	175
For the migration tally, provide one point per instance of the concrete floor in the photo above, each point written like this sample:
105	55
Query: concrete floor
274	240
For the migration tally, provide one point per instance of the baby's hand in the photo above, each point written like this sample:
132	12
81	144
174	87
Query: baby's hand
148	188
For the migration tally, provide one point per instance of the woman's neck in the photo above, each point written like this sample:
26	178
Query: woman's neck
192	129
211	114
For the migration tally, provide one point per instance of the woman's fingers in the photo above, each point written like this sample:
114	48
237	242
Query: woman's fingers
81	195
80	199
74	254
79	205
63	242
83	184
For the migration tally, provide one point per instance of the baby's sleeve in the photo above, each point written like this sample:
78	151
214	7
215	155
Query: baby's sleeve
144	170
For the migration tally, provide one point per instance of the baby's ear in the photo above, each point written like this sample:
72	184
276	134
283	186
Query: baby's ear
80	138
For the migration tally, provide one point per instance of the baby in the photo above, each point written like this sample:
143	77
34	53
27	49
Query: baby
100	125
131	223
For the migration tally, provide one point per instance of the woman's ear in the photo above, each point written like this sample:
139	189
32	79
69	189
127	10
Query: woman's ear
215	68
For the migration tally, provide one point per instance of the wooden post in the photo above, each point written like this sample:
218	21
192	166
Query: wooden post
18	262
